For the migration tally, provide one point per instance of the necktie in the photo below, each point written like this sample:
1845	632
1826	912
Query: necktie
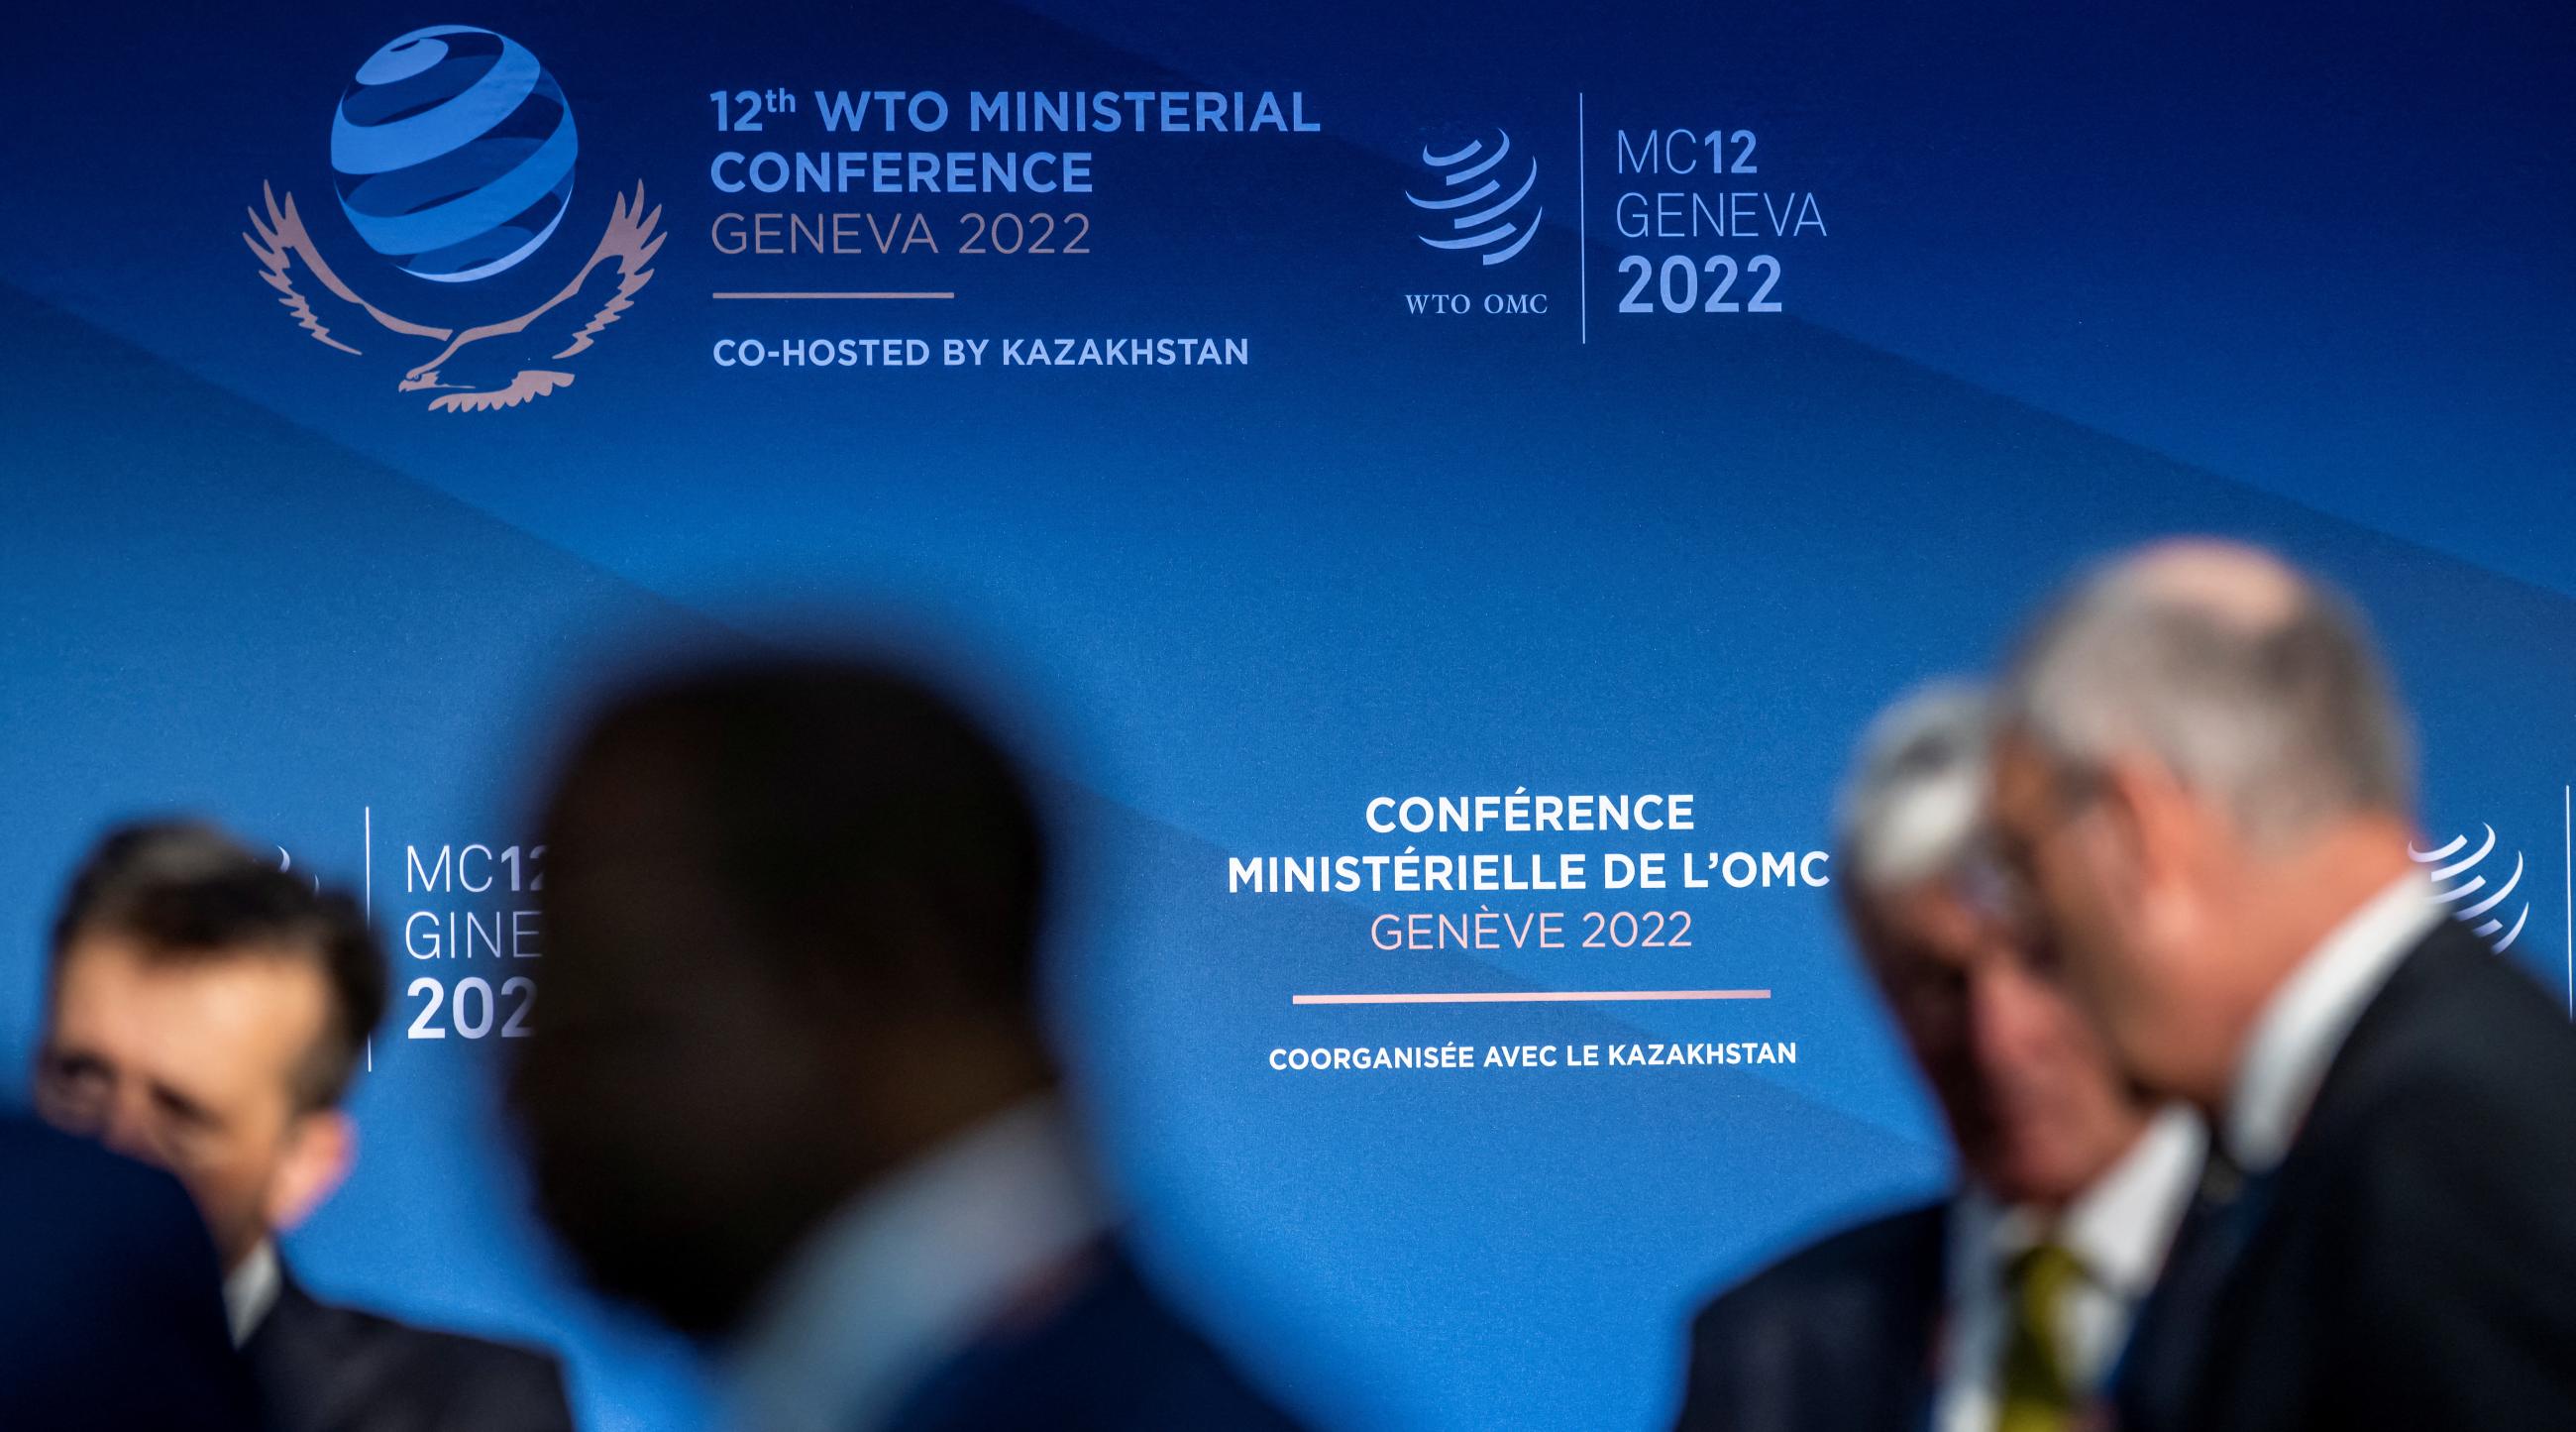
2038	1391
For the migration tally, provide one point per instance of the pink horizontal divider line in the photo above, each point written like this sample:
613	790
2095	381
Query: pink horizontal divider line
1562	996
800	295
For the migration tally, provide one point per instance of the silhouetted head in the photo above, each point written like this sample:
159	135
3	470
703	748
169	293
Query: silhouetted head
2032	1098
2202	770
793	914
207	1013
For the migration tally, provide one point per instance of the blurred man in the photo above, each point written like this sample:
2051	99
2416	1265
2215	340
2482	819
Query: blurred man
206	1014
111	1311
2001	1306
793	1094
2204	785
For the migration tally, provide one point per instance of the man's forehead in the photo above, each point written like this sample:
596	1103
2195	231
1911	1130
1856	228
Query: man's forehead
253	996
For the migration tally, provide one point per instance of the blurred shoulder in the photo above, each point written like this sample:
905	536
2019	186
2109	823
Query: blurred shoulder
94	1224
43	1161
463	1355
111	1307
1897	1256
2460	1040
2444	1112
317	1355
1111	1356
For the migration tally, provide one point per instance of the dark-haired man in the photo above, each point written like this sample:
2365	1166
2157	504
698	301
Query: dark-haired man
206	1014
794	1095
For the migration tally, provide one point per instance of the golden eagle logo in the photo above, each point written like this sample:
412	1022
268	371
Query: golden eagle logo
478	369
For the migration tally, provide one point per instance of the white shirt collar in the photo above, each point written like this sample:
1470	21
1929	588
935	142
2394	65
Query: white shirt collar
250	1290
2304	1023
908	1273
2118	1228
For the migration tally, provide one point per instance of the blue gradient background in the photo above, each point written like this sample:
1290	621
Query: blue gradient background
2301	276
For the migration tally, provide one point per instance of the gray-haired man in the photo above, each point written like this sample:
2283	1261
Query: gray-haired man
2203	785
2000	1306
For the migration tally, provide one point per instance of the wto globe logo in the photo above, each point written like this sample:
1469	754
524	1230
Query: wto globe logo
2457	882
1486	220
453	152
452	155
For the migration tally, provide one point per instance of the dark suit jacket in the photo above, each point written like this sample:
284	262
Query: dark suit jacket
2412	1262
1837	1337
1110	1356
111	1309
327	1369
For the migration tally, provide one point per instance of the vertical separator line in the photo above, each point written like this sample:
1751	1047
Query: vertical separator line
1582	227
2567	830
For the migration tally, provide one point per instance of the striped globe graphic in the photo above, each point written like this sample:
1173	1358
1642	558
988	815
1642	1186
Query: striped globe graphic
452	153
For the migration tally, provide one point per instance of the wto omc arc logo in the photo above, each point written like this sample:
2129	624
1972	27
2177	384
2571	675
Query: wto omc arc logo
1471	208
2458	882
453	152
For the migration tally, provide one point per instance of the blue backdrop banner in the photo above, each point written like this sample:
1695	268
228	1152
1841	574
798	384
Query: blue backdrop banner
1455	478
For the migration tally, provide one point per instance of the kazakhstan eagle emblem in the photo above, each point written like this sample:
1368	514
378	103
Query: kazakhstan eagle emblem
491	365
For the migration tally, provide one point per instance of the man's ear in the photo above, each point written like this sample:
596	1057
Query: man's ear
321	1149
2154	826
